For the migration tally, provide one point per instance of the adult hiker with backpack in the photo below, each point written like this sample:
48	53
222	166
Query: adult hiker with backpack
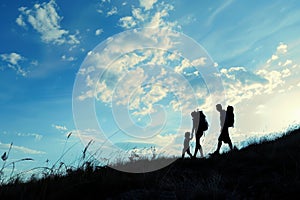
229	122
200	125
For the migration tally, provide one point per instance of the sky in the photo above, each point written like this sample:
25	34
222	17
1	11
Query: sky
127	74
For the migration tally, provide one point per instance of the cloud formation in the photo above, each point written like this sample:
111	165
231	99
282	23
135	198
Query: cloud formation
12	61
242	83
46	21
148	17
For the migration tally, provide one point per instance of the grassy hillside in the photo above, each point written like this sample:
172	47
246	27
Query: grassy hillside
260	171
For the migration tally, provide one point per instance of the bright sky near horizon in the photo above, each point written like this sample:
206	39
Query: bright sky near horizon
253	46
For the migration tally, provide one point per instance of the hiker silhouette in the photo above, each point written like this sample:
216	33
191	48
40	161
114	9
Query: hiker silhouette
186	144
222	115
199	126
225	124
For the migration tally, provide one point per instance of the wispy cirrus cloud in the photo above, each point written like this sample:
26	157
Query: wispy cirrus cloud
21	149
60	127
217	11
37	137
46	21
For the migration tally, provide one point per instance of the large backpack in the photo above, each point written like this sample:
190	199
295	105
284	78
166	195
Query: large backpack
229	116
205	125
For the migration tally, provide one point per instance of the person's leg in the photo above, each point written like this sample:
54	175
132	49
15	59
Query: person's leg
230	144
219	142
197	145
183	153
229	140
201	151
188	152
219	146
223	137
196	150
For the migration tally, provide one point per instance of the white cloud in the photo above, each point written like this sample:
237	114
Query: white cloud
147	4
125	79
88	135
149	18
127	85
157	19
113	11
138	14
199	62
36	136
13	62
59	127
20	21
98	32
12	58
127	22
185	63
287	62
241	84
22	149
65	58
46	21
285	73
85	71
72	39
274	57
86	95
282	48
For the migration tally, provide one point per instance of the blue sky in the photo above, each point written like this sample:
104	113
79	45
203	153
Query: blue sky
253	47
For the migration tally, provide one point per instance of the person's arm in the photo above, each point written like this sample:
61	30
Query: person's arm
194	128
191	137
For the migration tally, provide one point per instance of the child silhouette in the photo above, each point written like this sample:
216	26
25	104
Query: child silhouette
186	144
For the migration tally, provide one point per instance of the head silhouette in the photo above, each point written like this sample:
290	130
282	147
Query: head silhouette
219	107
187	134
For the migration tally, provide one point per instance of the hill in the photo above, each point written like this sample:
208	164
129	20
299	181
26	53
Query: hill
266	170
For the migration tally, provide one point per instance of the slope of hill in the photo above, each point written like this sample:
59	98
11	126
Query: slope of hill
269	170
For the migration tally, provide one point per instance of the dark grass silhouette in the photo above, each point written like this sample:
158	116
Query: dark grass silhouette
263	170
